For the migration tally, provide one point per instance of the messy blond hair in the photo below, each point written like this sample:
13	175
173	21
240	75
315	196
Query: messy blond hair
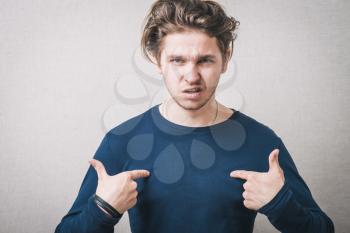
171	16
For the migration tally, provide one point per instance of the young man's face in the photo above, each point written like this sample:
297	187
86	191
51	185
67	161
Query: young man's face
188	60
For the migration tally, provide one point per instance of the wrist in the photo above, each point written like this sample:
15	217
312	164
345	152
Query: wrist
103	210
106	207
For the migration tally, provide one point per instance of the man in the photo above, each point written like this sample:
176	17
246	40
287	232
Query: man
192	164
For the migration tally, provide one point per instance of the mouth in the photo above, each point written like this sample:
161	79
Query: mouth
193	93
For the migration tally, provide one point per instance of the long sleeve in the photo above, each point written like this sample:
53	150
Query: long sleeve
293	209
85	216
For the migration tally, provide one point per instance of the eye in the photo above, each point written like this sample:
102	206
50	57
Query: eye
205	60
176	60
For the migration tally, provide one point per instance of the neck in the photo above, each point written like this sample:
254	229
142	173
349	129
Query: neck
204	116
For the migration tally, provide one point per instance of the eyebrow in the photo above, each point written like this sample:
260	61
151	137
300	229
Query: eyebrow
205	56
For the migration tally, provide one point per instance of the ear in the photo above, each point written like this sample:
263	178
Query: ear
159	69
225	63
157	64
224	67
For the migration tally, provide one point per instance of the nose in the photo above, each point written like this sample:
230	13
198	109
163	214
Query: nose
192	76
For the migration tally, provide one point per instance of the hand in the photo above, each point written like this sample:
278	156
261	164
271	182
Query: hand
118	190
261	187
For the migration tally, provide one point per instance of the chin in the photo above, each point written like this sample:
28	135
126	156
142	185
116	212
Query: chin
191	105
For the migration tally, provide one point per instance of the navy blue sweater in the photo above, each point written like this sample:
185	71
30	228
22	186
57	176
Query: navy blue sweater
190	188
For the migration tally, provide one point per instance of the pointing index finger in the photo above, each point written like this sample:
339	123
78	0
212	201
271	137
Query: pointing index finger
242	174
136	174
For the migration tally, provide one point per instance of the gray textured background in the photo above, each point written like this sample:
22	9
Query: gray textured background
61	61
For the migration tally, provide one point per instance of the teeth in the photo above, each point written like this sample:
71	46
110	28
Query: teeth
193	90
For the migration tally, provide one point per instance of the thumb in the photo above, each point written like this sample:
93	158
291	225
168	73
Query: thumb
100	169
135	174
273	160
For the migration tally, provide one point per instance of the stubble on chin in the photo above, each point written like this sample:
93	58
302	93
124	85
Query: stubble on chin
191	107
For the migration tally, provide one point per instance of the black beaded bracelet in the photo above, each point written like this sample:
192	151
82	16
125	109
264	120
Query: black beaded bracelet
104	205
